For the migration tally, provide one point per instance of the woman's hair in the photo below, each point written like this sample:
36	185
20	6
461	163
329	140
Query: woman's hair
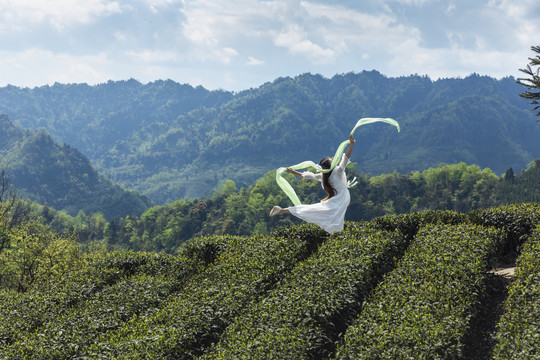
325	163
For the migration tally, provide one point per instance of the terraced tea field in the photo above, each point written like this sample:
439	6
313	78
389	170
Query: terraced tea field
417	286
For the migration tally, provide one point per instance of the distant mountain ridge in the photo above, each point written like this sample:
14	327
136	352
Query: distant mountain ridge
172	141
60	176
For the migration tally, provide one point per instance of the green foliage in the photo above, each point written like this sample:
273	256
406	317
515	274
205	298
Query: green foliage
289	291
12	211
86	229
36	254
303	316
229	211
455	187
193	319
311	234
409	224
171	141
422	309
516	220
449	189
520	188
63	178
72	310
406	286
532	82
519	328
245	211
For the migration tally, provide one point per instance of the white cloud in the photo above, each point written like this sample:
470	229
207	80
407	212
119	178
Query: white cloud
518	18
149	56
220	43
211	25
156	5
227	54
455	61
120	36
253	61
295	39
211	22
47	67
315	32
415	2
22	14
347	27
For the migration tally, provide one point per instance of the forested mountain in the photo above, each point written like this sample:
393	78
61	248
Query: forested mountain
172	141
60	176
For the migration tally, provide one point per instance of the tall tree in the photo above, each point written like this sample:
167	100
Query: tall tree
532	82
11	212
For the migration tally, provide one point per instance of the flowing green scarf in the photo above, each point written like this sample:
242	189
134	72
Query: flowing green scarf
287	188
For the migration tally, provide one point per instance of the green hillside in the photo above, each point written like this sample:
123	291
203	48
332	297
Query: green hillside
60	176
230	210
409	286
171	141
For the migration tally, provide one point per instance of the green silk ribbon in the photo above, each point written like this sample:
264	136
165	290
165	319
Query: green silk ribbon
287	188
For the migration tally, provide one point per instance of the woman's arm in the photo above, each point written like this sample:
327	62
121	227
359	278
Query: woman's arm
294	172
349	150
306	175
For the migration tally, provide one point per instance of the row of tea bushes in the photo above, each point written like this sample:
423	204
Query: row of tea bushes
25	313
69	331
58	318
423	308
518	335
283	295
516	220
303	316
409	224
195	318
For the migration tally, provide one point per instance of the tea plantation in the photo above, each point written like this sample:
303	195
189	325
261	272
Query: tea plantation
412	286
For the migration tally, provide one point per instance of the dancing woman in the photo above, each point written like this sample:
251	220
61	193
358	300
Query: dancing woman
329	214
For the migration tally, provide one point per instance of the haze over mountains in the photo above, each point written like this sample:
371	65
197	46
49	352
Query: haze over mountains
169	141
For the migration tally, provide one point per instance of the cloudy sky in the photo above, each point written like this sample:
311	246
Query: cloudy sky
238	44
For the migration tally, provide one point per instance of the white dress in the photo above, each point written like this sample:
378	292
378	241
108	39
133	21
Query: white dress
329	214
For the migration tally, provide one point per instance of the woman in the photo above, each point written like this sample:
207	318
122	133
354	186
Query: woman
329	214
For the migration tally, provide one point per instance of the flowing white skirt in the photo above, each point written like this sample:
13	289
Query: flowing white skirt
329	214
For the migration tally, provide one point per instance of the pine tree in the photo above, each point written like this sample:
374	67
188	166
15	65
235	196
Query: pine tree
533	81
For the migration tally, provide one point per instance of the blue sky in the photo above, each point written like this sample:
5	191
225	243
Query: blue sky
238	44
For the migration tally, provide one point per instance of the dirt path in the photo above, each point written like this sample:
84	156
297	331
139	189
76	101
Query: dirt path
484	326
507	273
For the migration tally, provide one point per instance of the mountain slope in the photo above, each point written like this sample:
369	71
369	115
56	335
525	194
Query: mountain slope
173	141
61	176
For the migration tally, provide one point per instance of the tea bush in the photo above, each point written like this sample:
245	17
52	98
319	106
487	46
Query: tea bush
58	318
192	320
517	221
409	224
63	336
402	286
422	309
22	314
518	335
302	317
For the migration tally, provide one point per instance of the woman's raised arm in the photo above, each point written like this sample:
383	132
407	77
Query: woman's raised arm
349	150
